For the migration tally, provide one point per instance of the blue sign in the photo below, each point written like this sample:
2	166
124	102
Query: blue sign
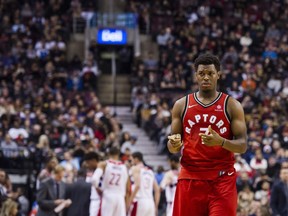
110	36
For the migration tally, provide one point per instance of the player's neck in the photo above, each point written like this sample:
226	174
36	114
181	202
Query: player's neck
207	95
140	164
174	167
114	158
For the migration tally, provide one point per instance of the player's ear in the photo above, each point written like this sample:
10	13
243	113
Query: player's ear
195	76
219	73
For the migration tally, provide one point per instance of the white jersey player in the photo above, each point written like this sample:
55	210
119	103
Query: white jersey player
169	183
115	184
91	160
144	203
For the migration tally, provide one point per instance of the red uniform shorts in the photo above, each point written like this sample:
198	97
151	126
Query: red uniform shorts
206	197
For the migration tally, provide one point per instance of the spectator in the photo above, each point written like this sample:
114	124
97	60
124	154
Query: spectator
258	162
43	146
163	37
241	165
245	198
70	165
246	40
126	156
90	73
159	174
17	133
130	144
47	171
3	189
5	185
8	143
279	195
150	63
264	192
274	83
23	202
9	208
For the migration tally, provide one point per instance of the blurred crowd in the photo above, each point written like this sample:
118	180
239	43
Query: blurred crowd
250	38
49	109
50	112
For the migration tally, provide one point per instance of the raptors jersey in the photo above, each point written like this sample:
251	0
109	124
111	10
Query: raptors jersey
199	161
115	178
146	184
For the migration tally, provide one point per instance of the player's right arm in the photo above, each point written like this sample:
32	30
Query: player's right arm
156	190
174	143
135	170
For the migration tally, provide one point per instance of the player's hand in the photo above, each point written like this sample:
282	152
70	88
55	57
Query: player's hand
128	205
175	141
68	202
156	210
211	139
58	201
99	191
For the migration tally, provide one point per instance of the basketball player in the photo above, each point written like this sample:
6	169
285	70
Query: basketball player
91	160
208	127
115	184
169	183
144	204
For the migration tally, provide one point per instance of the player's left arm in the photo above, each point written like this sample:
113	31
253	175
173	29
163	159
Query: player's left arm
167	179
156	195
98	173
238	126
128	193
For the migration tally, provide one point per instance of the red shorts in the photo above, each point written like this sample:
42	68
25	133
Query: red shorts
206	197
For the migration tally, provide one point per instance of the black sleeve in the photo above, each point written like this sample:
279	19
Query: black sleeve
275	199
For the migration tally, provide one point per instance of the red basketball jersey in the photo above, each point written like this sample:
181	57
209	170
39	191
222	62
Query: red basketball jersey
199	161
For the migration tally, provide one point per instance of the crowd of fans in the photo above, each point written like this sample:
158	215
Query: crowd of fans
250	38
49	109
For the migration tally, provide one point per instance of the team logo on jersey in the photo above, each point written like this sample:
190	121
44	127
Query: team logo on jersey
207	119
219	108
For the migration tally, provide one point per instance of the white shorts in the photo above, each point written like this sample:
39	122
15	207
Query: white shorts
143	207
113	205
94	207
169	208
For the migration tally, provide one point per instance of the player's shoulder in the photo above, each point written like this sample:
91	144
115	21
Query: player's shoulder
147	168
115	162
169	173
134	169
102	164
233	106
179	105
181	101
231	101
